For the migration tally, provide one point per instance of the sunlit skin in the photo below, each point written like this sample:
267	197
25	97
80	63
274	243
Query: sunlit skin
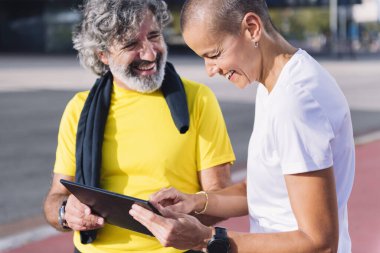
235	56
146	45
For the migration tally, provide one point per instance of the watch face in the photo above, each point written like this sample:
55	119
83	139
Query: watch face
218	246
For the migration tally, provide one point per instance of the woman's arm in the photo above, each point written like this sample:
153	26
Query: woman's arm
212	179
225	203
313	199
314	203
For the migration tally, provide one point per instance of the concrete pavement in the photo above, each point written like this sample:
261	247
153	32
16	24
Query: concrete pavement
34	91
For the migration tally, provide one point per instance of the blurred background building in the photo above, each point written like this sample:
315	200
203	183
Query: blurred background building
39	74
319	26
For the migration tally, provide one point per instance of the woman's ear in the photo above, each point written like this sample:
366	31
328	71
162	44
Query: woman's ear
252	26
103	57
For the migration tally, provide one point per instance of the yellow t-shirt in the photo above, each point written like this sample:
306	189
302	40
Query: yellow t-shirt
143	152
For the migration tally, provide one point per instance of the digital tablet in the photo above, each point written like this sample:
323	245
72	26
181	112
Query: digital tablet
113	207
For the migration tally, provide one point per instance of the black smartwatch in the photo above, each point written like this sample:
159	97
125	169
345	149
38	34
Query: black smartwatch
219	243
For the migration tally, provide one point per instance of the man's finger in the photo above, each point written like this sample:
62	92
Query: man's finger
75	223
93	220
76	206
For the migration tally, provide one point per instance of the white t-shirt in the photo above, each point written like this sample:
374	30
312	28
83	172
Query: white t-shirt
303	125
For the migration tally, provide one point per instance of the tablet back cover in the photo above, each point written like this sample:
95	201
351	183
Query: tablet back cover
113	207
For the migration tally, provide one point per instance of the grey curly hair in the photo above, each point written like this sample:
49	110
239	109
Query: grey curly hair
107	21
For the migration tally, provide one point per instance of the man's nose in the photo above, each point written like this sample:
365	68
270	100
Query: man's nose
148	52
211	68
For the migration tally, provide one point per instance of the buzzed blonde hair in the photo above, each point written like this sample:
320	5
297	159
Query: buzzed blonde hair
226	15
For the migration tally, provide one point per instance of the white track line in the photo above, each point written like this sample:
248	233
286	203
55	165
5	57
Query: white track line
35	234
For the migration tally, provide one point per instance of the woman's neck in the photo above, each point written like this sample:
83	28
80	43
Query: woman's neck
275	54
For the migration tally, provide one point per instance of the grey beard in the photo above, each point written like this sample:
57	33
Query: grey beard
143	84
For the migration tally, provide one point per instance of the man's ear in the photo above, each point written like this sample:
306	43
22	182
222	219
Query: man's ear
252	26
103	57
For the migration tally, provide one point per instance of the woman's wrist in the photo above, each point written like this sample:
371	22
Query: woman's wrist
201	202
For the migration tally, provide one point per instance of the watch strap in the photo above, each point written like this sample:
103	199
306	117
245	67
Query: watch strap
220	233
61	216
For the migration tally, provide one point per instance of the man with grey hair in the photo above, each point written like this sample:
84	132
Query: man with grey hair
139	129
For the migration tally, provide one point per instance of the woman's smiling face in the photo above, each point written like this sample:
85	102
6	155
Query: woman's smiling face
228	55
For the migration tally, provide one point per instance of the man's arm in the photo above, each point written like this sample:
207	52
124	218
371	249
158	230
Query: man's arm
77	215
54	199
215	178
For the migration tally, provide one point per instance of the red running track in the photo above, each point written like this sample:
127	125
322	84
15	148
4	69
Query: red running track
364	210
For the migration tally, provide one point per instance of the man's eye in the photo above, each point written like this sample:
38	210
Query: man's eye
130	45
154	36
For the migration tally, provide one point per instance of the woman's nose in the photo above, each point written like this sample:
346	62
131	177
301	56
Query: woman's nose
211	68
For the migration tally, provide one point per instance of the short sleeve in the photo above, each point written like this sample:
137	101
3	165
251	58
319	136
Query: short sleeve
303	134
65	154
213	143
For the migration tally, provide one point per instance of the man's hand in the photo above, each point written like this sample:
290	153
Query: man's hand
79	217
173	229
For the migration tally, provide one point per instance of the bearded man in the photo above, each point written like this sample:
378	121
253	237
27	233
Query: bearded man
139	129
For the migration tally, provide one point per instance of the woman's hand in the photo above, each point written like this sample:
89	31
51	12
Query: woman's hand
78	216
167	228
173	200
